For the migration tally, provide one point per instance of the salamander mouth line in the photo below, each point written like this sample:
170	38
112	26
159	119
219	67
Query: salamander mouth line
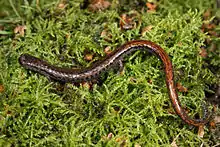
87	74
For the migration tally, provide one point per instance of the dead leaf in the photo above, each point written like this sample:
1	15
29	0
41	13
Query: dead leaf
1	27
107	50
20	30
108	137
207	14
201	131
122	141
151	7
180	44
88	57
217	119
106	35
146	29
137	145
86	85
173	144
211	26
212	125
68	36
150	81
213	33
62	4
1	88
203	53
98	5
126	22
181	88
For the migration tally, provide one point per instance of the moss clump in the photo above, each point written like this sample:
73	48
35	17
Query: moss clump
35	112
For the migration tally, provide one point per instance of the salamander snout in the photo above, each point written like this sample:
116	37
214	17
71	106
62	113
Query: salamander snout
24	58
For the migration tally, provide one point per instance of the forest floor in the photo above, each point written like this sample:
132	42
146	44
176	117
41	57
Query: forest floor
128	109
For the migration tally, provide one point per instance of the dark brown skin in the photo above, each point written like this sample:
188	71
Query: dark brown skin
91	73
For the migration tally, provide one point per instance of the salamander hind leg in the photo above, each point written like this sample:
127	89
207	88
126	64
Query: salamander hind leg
119	67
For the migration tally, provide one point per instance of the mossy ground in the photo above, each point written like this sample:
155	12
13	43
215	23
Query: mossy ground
36	112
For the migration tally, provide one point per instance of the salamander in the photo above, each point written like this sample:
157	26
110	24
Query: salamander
116	57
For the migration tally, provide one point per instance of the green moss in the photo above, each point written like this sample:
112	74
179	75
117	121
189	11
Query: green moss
34	112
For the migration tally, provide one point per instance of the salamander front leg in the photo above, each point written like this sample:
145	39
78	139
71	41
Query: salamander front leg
120	67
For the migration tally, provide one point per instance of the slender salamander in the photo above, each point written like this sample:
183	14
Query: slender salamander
116	57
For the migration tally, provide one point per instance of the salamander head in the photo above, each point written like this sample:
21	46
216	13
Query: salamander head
27	60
